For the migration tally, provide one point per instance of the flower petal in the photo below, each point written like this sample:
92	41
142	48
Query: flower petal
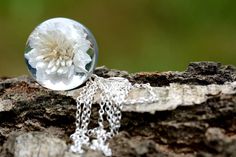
51	63
84	46
71	72
31	57
41	76
41	65
81	59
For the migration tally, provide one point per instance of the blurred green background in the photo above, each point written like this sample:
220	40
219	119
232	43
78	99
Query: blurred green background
133	35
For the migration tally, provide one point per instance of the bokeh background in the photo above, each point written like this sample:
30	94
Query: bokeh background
133	35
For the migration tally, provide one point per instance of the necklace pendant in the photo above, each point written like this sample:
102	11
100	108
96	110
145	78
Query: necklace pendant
61	54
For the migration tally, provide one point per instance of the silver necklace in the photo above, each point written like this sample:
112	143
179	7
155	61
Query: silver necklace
61	54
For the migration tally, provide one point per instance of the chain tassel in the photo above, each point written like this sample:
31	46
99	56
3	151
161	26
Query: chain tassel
113	91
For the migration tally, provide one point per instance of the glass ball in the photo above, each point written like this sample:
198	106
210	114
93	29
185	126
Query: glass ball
61	54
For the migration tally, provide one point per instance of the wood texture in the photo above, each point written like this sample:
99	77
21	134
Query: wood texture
195	115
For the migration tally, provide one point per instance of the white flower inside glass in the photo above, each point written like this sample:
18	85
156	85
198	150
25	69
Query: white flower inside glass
61	54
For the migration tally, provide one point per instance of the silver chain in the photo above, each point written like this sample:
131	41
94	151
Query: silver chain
114	91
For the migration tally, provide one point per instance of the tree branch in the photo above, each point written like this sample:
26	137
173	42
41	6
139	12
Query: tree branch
194	115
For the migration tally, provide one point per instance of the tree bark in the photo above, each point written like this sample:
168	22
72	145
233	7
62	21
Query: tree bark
194	115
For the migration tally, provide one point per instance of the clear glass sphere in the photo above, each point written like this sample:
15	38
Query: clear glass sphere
61	54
